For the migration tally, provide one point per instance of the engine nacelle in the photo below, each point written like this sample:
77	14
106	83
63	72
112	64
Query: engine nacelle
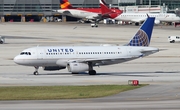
2	40
53	68
77	67
157	21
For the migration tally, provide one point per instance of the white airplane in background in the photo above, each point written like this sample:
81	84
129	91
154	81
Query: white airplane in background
84	58
138	18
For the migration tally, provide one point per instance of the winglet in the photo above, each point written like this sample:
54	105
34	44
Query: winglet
143	35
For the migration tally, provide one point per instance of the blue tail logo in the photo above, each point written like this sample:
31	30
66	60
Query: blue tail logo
143	36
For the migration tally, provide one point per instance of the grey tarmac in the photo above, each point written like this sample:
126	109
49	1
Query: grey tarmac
160	70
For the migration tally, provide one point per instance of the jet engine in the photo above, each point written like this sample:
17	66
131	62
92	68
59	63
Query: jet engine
2	40
77	67
53	68
157	21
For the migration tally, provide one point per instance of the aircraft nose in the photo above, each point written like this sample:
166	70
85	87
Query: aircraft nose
17	60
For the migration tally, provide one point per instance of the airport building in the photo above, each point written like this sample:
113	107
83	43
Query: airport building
35	10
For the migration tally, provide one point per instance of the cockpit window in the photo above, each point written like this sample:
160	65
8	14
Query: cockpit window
25	53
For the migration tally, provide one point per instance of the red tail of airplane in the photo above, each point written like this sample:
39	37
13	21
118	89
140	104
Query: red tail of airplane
104	8
106	11
65	4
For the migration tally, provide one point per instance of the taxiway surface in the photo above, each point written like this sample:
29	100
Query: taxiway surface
160	70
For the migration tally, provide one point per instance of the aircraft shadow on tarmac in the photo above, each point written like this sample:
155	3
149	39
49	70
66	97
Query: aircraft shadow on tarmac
134	74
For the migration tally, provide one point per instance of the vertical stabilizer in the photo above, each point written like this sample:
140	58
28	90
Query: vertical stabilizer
104	8
65	4
143	35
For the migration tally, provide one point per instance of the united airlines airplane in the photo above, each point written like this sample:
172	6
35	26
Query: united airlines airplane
84	58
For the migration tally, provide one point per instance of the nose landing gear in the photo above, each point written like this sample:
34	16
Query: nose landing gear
94	25
36	70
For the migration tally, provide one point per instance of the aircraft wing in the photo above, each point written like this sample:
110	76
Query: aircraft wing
106	61
103	61
95	16
138	20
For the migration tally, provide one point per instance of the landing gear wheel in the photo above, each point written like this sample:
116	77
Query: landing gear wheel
136	24
36	73
94	25
1	42
92	72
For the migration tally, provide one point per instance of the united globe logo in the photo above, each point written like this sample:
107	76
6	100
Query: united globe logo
140	39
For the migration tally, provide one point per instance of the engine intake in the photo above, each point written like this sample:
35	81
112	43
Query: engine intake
157	21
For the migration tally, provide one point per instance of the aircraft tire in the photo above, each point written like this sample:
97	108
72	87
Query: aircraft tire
136	24
1	42
36	73
92	72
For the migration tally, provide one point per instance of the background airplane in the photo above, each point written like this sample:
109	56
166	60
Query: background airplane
138	18
2	40
84	58
3	37
94	14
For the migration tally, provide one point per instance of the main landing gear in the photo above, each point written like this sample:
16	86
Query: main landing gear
92	72
95	24
36	70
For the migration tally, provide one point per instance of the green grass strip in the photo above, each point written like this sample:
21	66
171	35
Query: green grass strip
61	92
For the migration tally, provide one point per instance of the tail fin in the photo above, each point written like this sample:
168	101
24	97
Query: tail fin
65	4
104	8
143	36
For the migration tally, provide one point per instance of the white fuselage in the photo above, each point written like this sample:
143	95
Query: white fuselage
139	17
60	56
79	13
